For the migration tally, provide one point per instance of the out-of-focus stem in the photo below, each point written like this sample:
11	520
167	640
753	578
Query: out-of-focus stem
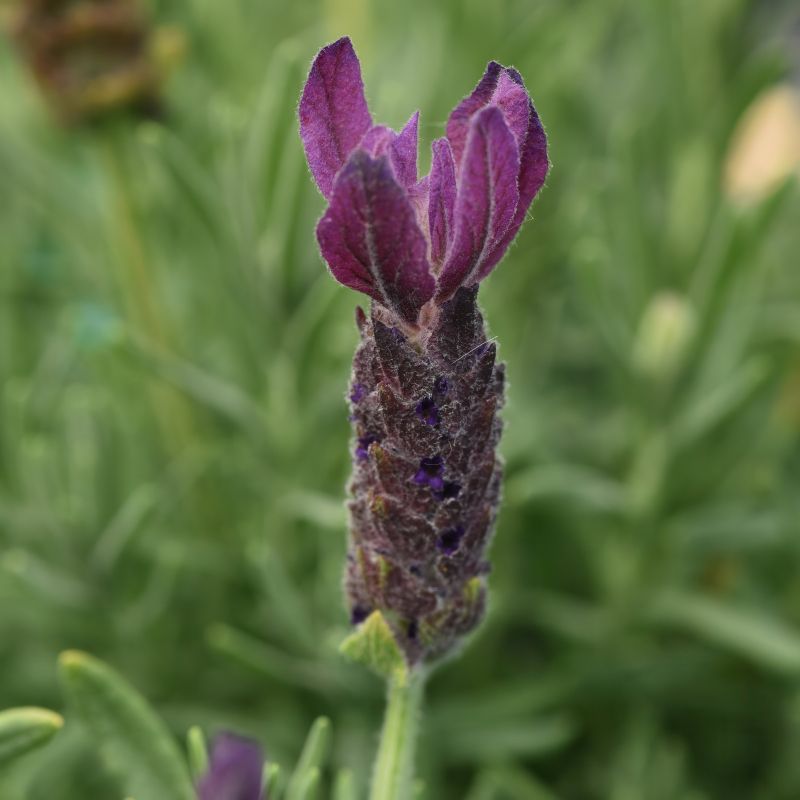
393	773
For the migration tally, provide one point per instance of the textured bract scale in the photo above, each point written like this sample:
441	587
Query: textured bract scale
426	491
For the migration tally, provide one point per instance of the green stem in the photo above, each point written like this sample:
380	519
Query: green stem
394	763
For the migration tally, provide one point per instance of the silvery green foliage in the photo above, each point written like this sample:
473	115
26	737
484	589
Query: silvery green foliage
146	760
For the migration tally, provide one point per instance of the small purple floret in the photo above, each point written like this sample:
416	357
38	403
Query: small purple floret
235	770
430	473
441	386
449	540
449	490
358	393
362	446
428	411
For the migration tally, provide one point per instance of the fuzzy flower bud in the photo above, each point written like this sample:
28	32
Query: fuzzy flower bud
765	147
426	387
90	57
235	771
665	333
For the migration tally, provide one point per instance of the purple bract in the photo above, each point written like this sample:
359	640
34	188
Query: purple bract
406	241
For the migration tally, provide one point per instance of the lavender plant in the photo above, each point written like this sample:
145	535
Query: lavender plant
426	386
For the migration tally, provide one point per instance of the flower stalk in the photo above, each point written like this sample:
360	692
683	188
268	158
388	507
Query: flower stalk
393	774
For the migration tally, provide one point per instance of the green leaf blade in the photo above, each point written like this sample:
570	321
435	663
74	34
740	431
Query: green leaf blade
137	743
23	730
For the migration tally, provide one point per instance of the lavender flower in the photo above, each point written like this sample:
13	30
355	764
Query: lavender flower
90	58
235	772
426	387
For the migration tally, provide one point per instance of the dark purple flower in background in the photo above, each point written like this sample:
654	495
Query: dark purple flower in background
91	59
426	387
235	772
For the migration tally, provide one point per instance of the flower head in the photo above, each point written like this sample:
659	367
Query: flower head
403	240
235	772
426	387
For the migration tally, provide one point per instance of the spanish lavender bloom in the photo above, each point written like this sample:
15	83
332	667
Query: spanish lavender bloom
90	58
426	387
235	772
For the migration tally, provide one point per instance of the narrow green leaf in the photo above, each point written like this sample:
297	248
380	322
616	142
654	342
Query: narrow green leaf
273	779
508	739
262	657
310	785
135	741
373	645
722	402
508	784
25	729
587	489
197	749
764	640
315	751
345	786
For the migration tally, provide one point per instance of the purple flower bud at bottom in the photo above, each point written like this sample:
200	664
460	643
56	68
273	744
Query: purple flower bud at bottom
235	770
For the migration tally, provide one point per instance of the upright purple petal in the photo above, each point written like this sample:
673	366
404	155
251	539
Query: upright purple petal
459	122
534	165
403	152
377	139
401	148
235	772
333	112
512	99
441	205
371	240
487	200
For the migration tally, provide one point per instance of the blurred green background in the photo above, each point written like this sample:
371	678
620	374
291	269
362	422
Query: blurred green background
173	432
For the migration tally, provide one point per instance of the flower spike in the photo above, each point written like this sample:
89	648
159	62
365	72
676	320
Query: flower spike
426	389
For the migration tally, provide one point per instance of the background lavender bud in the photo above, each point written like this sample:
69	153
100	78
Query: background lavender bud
90	58
235	772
